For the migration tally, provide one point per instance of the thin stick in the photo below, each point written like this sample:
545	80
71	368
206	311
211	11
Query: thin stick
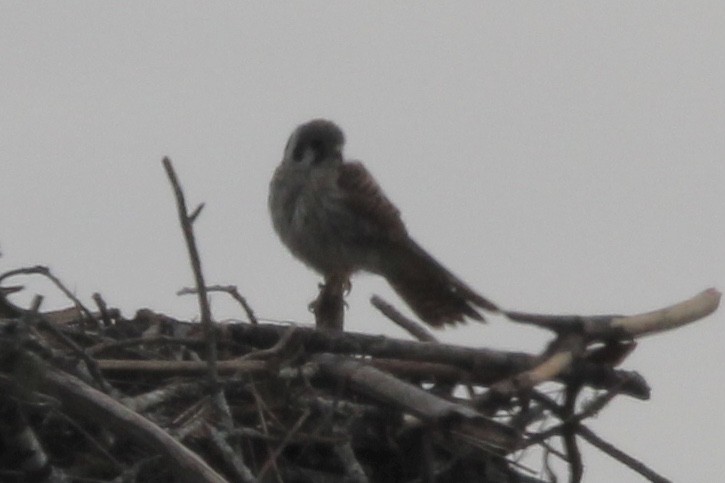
231	457
45	271
568	436
233	292
409	325
34	315
593	408
282	445
103	309
620	455
186	222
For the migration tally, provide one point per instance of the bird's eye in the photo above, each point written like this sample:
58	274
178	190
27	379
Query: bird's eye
298	152
316	145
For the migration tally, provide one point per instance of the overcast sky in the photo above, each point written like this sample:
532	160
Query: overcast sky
560	157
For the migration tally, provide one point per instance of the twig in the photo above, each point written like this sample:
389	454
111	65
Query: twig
20	438
148	400
186	222
92	440
231	457
7	308
34	316
353	468
411	326
233	291
290	434
197	211
286	345
620	455
187	368
191	420
261	407
136	341
45	271
11	289
569	435
591	409
103	309
562	353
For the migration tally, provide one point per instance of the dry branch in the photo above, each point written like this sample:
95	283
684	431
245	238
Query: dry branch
455	417
618	327
78	397
411	326
672	317
186	220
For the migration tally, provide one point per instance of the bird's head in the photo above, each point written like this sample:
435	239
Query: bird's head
316	143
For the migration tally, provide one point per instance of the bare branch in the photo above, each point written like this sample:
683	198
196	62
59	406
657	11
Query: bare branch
412	327
462	420
232	291
180	367
73	393
677	315
45	271
618	327
620	455
231	457
186	222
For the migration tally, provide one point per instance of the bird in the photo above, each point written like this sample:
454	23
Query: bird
334	217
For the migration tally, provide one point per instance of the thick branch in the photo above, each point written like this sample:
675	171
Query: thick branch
488	364
463	420
691	310
106	411
619	327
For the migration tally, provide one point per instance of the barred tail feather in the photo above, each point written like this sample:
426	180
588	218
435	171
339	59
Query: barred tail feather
436	295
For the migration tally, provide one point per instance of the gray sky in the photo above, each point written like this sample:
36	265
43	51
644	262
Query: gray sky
560	157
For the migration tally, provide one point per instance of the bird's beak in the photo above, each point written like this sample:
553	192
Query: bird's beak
338	152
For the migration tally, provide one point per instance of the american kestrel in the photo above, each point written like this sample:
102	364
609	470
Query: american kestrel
334	217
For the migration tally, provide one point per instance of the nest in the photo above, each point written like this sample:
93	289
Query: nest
99	397
90	395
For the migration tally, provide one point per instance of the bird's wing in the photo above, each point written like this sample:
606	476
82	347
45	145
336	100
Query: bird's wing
363	197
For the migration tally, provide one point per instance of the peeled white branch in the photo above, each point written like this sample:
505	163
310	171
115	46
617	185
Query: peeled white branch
691	310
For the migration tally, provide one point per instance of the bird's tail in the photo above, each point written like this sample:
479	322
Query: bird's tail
436	295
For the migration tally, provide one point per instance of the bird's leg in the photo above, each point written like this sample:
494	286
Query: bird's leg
346	286
329	306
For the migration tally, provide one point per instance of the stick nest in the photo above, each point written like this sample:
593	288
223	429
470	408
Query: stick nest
90	395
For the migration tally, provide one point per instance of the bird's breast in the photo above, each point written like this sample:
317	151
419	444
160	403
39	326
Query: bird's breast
310	220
